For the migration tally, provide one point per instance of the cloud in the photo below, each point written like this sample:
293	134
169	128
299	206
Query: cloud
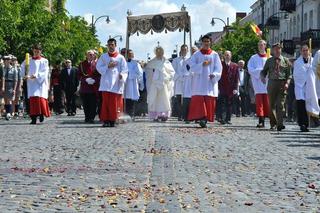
201	15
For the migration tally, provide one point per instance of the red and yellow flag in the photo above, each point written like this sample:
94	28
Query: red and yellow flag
256	29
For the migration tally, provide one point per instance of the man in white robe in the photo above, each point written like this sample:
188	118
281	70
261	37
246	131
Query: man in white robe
316	70
187	87
255	66
159	81
114	71
133	84
302	69
179	66
207	69
37	79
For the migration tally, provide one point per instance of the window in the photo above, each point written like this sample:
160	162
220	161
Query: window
311	19
305	22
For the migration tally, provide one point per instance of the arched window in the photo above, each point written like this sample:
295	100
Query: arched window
294	31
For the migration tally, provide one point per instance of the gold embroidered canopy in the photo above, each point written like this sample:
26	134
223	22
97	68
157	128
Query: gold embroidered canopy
159	23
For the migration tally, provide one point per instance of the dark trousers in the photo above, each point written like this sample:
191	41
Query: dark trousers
142	106
130	107
302	113
26	99
225	107
57	103
70	102
185	108
241	102
177	106
89	102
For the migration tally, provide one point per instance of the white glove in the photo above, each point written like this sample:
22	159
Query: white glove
235	92
90	81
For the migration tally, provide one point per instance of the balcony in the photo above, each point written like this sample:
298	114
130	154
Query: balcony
314	34
273	22
288	46
288	5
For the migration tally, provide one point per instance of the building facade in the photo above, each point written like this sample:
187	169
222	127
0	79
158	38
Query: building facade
291	22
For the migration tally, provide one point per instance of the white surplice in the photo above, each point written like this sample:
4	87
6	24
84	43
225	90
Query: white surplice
135	78
202	85
38	87
110	81
159	75
255	66
316	69
300	72
187	80
179	65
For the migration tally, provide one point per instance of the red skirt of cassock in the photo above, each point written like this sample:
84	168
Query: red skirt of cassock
202	107
111	106
262	105
39	106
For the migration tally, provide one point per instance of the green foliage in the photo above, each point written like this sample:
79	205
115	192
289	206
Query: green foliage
25	22
241	41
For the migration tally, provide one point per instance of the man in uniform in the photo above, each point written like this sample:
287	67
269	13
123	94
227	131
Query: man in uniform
278	70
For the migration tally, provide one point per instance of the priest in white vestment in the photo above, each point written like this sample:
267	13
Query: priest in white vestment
159	82
133	84
179	66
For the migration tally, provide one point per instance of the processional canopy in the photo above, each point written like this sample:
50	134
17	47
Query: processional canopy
158	23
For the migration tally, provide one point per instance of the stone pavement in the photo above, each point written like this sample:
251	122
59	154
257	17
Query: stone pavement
65	165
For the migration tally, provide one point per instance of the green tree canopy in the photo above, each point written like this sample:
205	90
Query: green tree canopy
241	41
25	22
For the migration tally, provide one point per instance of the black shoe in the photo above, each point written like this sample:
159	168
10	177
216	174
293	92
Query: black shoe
222	122
106	124
41	118
112	124
91	121
260	125
73	114
69	114
280	128
303	128
237	115
203	123
33	120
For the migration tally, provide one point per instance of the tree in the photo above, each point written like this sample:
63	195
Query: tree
25	22
241	41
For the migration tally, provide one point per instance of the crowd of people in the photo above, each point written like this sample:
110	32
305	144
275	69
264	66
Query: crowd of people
204	87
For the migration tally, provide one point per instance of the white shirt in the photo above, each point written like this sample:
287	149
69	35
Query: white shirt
110	80
201	82
241	77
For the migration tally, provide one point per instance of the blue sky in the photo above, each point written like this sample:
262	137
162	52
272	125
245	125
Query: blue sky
201	12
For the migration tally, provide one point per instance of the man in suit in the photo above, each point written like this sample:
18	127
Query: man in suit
69	84
228	87
241	98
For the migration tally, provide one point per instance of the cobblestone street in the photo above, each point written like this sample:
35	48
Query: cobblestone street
65	165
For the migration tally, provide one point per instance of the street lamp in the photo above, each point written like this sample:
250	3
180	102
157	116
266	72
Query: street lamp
226	25
93	22
120	37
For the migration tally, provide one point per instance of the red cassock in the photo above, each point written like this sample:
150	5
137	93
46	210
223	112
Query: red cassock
39	106
262	105
111	106
202	107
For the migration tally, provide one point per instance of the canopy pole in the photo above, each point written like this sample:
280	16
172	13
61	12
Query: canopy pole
190	36
127	38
